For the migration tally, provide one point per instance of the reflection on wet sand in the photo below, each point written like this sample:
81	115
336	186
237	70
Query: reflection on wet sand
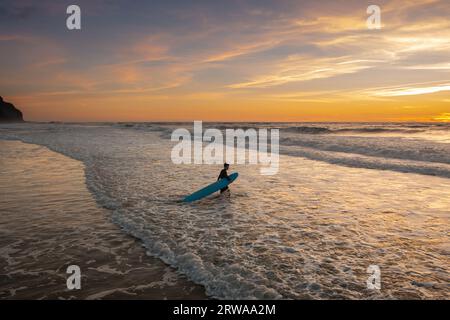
49	221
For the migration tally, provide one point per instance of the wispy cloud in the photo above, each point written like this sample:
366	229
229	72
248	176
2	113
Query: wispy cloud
295	69
242	50
411	91
431	66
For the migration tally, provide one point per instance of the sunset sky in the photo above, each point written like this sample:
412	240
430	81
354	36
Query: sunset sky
227	60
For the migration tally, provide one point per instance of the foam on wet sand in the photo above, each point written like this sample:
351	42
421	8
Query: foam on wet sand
49	221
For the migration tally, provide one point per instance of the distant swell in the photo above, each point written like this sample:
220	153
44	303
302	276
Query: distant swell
309	130
378	130
370	162
330	143
322	130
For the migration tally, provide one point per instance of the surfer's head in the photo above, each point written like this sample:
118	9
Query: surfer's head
226	165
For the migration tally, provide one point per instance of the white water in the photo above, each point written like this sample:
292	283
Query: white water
310	231
49	220
417	148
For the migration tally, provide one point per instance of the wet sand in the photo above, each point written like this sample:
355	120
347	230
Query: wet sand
49	221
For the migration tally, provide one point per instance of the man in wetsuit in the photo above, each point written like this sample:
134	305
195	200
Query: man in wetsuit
224	175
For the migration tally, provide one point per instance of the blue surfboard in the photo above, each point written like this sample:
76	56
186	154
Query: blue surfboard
213	187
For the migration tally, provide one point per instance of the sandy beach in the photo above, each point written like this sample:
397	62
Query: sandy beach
49	221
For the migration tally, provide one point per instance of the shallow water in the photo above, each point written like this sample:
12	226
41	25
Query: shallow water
310	231
49	221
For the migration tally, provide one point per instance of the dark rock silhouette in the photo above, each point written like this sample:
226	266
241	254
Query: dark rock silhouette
9	113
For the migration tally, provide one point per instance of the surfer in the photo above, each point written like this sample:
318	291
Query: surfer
224	175
221	184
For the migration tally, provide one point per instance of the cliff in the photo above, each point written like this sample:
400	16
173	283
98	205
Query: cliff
9	113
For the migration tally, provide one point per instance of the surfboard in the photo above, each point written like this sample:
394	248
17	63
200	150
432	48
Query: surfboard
213	187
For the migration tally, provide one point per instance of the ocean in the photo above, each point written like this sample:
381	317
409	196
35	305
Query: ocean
347	196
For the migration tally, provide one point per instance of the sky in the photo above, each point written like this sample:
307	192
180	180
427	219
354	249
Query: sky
234	60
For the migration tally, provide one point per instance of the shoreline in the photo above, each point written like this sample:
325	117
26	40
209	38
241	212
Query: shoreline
239	249
55	222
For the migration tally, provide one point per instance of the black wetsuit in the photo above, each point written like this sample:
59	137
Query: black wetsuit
223	175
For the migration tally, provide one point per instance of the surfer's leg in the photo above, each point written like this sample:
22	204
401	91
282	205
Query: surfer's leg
223	190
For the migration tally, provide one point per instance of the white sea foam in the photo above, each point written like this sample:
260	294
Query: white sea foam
418	148
309	232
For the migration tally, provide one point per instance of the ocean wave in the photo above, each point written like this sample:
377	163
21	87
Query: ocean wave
378	130
308	130
386	148
370	162
311	129
325	130
326	144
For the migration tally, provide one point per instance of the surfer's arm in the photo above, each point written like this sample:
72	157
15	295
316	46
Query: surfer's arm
223	175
